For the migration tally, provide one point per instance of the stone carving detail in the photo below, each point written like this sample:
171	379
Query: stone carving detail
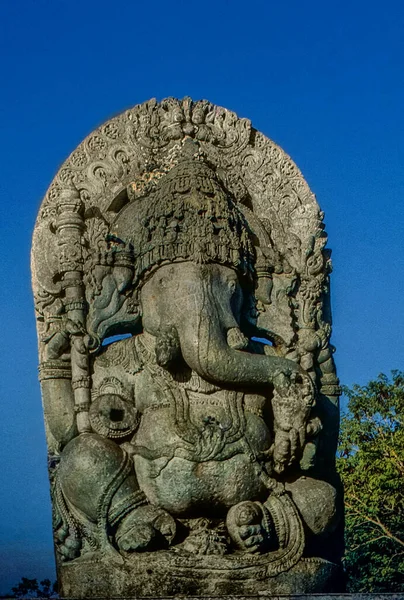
179	225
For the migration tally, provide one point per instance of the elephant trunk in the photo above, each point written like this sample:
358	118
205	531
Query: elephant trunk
210	345
213	359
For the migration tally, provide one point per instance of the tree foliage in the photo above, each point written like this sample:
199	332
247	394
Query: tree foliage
371	464
30	588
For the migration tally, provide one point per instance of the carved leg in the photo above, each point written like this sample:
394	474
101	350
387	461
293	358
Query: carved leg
320	506
99	488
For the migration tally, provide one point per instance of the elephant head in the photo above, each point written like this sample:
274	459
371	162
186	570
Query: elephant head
194	311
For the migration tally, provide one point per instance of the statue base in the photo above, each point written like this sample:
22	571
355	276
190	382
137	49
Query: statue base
164	573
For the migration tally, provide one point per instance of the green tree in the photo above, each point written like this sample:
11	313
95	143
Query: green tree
30	588
371	464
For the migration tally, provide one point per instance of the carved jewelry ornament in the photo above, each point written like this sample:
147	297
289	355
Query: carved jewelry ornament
112	413
193	453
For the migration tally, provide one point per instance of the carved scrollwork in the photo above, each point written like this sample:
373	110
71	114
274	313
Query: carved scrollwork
161	124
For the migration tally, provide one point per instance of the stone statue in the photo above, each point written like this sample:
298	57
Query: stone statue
195	453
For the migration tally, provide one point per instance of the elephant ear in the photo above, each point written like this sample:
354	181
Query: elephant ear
290	247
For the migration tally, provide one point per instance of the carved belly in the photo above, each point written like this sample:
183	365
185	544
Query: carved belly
187	489
203	460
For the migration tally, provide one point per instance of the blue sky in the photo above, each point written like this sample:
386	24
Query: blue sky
325	80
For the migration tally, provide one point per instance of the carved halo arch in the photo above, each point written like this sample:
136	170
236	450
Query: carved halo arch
137	146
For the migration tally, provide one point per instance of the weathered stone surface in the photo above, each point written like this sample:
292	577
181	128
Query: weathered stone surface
139	574
190	458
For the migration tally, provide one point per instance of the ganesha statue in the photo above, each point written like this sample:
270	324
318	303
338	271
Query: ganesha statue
181	284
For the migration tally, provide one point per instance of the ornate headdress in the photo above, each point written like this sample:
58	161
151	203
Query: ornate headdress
189	216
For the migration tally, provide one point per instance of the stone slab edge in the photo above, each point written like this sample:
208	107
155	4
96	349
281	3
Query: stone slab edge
387	596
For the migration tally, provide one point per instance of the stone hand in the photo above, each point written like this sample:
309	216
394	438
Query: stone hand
287	447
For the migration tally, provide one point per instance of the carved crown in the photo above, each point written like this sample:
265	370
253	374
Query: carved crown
189	216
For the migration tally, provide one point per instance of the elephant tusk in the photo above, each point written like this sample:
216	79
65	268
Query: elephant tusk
236	339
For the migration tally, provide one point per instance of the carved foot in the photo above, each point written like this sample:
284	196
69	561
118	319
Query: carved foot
249	527
67	543
144	527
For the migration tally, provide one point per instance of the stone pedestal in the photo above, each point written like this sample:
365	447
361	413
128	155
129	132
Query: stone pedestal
162	574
